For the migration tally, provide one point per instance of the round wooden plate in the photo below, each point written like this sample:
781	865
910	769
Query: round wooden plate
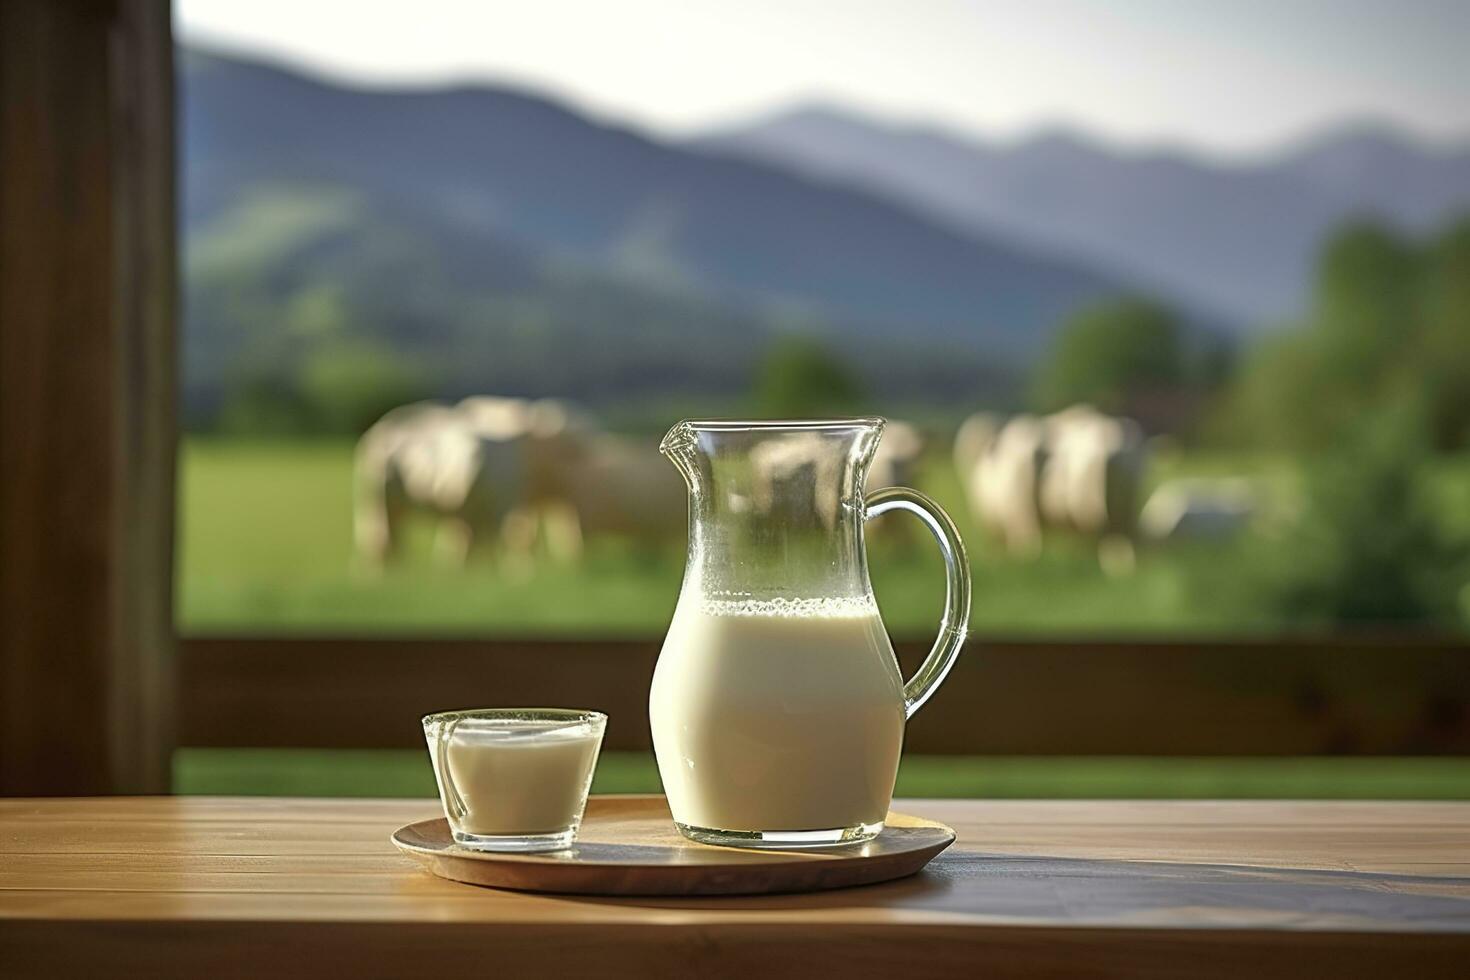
628	846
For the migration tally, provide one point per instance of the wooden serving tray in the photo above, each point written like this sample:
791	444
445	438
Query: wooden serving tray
628	846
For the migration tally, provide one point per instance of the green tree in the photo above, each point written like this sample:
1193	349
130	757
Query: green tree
258	402
1364	304
1109	354
350	386
1389	321
1285	397
800	378
334	389
1369	547
1442	365
1363	392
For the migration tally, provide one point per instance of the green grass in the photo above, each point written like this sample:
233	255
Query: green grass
265	544
305	772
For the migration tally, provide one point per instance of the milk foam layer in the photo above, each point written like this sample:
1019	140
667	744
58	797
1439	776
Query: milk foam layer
839	607
777	715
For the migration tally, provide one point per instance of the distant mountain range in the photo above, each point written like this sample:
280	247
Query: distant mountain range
666	219
510	244
1237	237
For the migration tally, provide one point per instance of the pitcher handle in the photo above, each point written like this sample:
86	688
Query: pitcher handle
955	622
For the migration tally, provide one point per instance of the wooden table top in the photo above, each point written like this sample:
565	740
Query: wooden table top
281	888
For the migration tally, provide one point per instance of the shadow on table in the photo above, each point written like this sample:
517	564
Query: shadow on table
1089	891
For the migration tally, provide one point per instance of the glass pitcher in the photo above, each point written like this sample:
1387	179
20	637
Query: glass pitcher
777	706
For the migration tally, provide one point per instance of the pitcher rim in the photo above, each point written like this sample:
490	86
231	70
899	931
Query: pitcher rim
680	439
737	424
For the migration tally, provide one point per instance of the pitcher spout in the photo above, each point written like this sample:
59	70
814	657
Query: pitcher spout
681	447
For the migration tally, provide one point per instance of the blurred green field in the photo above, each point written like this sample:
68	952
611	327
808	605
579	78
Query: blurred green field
265	544
303	772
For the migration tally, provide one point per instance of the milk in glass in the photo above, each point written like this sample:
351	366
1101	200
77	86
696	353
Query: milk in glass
521	777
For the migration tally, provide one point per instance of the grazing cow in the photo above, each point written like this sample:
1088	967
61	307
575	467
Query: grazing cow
1093	473
429	459
554	437
495	417
973	439
511	470
1070	442
554	433
1199	509
617	487
1003	485
1077	470
1092	480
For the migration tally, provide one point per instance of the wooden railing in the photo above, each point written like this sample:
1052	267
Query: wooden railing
1351	696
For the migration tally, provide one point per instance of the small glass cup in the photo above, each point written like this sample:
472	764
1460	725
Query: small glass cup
514	779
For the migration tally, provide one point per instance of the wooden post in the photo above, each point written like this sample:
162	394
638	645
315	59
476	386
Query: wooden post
87	295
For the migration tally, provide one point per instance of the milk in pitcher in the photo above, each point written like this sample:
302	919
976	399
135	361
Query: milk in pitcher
778	715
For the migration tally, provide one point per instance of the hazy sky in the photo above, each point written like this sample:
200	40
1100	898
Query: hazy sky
1226	75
